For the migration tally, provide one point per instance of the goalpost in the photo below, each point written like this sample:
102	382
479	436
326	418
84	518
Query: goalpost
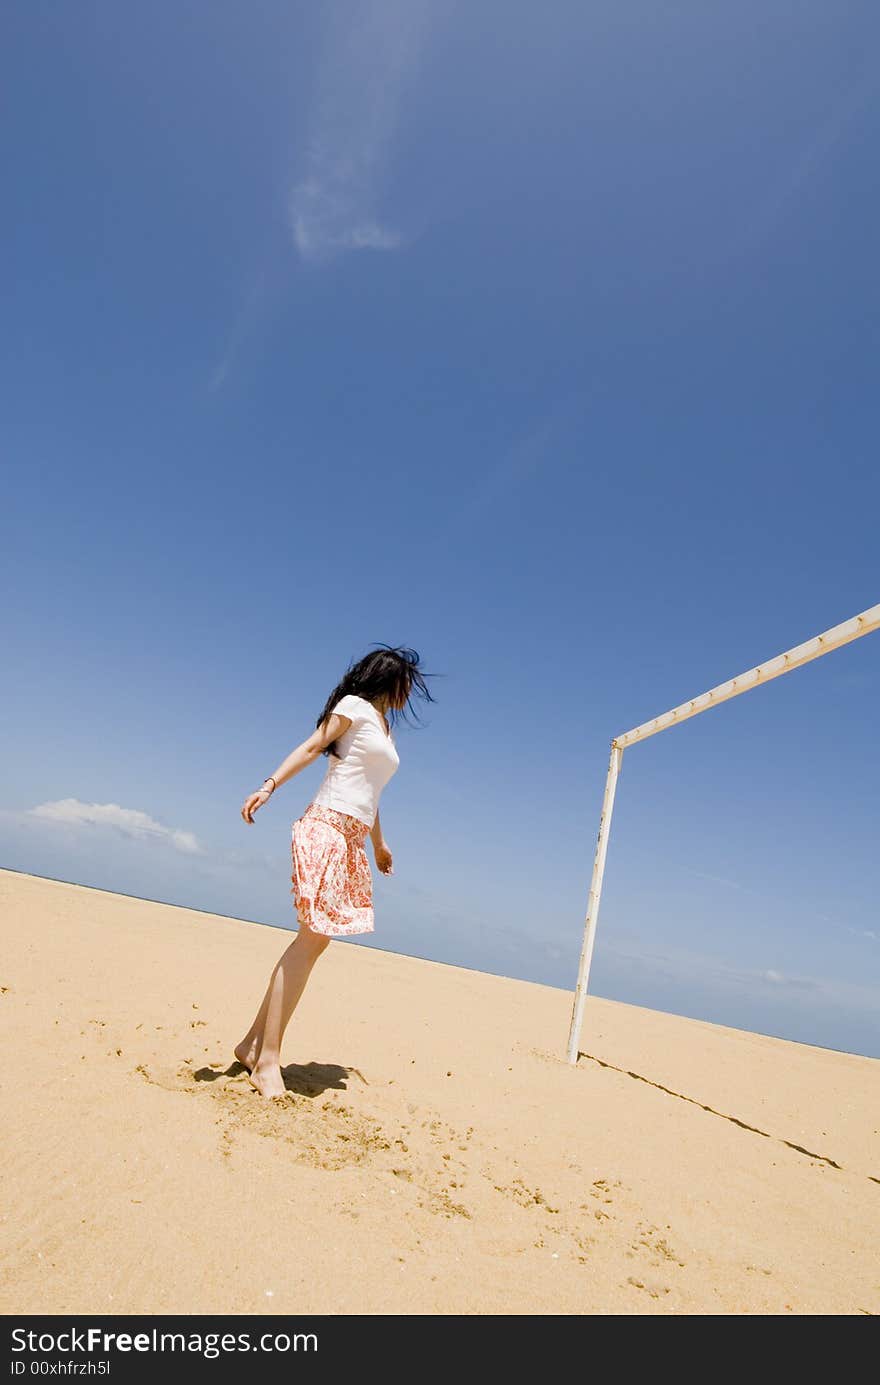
783	663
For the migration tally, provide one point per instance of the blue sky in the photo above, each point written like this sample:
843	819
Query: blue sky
544	341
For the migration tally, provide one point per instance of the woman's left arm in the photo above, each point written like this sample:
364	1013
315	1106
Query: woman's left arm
380	850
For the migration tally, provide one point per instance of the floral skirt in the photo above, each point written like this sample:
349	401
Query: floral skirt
332	887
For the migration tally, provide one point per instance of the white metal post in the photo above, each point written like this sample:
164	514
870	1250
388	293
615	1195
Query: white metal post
834	638
863	624
580	994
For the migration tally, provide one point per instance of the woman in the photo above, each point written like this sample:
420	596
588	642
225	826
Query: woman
332	888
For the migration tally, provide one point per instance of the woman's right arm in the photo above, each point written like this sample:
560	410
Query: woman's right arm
298	759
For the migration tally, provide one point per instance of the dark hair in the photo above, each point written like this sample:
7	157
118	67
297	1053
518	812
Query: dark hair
391	671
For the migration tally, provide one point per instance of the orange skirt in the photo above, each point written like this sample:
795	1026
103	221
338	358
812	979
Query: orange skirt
332	887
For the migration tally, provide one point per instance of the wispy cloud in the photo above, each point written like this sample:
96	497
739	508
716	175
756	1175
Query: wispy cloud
765	896
129	821
540	456
723	880
869	933
372	55
683	966
778	978
243	324
811	157
530	455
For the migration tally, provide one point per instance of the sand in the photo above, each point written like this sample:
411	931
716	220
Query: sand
436	1153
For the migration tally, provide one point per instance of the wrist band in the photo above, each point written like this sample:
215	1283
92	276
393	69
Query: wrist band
274	785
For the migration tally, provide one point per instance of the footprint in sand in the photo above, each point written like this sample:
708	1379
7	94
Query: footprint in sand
324	1134
649	1238
652	1287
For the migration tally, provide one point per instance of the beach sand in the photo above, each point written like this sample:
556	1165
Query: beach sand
436	1153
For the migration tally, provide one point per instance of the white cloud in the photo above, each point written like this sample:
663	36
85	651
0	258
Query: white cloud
130	821
371	57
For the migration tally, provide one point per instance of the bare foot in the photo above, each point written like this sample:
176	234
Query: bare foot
246	1053
267	1080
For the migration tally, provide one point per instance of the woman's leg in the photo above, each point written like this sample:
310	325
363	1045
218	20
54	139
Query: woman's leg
246	1051
260	1050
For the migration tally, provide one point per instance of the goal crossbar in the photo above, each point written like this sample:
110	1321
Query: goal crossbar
834	638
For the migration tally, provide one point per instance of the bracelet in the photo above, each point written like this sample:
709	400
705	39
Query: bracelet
274	785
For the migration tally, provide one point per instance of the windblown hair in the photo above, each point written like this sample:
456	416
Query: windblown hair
390	671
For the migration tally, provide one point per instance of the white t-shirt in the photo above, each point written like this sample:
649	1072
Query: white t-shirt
365	760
